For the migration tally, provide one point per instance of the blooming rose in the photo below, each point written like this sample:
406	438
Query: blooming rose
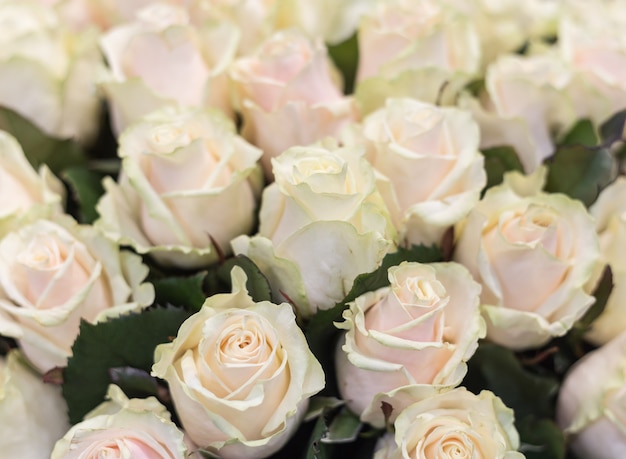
47	72
186	177
161	59
240	374
287	94
124	429
410	340
533	253
592	402
53	273
322	223
409	139
34	413
455	424
21	188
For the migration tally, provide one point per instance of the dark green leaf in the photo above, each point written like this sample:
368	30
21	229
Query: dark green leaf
497	369
86	188
344	428
319	403
499	160
612	129
316	449
345	55
541	439
40	148
583	133
258	286
601	294
181	291
127	341
134	382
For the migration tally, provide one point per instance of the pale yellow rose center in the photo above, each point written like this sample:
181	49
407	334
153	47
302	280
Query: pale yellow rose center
315	171
536	226
118	444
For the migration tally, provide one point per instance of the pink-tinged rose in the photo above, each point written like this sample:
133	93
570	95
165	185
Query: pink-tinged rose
454	425
288	94
240	374
591	408
410	340
53	273
534	254
188	181
123	428
406	139
162	59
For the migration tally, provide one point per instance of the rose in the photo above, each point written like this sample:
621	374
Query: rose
161	59
422	49
55	67
533	253
34	413
240	373
124	429
21	188
455	424
592	400
187	182
407	139
53	273
287	94
410	340
322	223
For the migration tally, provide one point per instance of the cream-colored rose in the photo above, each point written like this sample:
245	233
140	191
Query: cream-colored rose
287	94
414	48
405	342
527	103
48	72
322	223
454	425
533	253
161	59
187	179
123	429
53	273
34	414
21	187
240	374
433	171
591	408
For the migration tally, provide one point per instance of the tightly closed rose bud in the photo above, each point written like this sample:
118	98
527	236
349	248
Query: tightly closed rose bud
455	424
322	223
240	374
187	181
534	254
124	429
591	408
410	340
34	413
53	273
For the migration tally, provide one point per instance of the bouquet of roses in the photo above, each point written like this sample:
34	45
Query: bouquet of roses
308	228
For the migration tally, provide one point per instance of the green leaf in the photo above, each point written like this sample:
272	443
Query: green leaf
127	341
541	439
134	382
40	148
612	129
181	291
316	449
583	133
344	428
345	55
498	161
86	188
319	403
601	294
257	284
497	369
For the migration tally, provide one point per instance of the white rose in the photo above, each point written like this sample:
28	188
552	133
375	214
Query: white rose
240	374
591	407
21	187
161	59
48	73
410	340
322	223
287	94
34	414
186	177
123	429
409	139
55	273
533	253
455	424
